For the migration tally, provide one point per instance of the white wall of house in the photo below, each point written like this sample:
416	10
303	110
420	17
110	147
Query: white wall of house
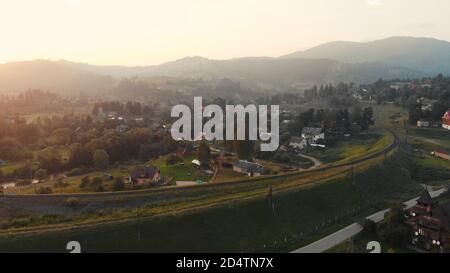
319	136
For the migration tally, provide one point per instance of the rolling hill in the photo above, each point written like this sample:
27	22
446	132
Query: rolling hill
430	56
265	73
391	58
47	75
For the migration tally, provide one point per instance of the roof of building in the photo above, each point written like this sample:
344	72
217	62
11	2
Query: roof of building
144	172
248	166
425	198
443	151
311	131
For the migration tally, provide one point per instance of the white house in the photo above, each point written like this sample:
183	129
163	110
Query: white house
423	123
312	135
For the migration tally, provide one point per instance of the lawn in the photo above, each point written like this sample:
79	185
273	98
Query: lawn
182	171
438	134
249	226
10	167
428	161
357	147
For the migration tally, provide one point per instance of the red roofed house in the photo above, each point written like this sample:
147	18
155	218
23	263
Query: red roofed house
446	120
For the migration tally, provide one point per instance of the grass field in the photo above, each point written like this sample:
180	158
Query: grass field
10	167
365	143
236	227
253	225
182	171
433	133
227	218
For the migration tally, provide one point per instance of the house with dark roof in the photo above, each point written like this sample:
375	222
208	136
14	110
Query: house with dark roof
429	223
298	142
144	175
313	136
312	132
248	168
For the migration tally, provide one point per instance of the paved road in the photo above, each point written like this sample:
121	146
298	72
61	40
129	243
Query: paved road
353	229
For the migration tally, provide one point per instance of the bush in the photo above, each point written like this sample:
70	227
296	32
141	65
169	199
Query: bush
282	158
97	184
369	228
85	182
44	190
395	236
60	183
40	174
118	184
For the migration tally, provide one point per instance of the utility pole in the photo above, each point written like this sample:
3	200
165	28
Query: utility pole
138	226
270	197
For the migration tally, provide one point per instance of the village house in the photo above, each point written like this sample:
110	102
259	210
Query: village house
144	175
429	223
446	120
248	168
426	103
423	123
112	115
313	135
298	143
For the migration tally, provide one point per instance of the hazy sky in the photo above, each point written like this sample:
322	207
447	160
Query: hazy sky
139	32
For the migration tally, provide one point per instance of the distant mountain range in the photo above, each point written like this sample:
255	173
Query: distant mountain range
427	55
392	58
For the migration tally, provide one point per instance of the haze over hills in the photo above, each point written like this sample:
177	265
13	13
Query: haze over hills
392	58
266	73
428	55
47	75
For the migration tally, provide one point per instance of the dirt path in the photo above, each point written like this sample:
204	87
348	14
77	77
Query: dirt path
316	161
